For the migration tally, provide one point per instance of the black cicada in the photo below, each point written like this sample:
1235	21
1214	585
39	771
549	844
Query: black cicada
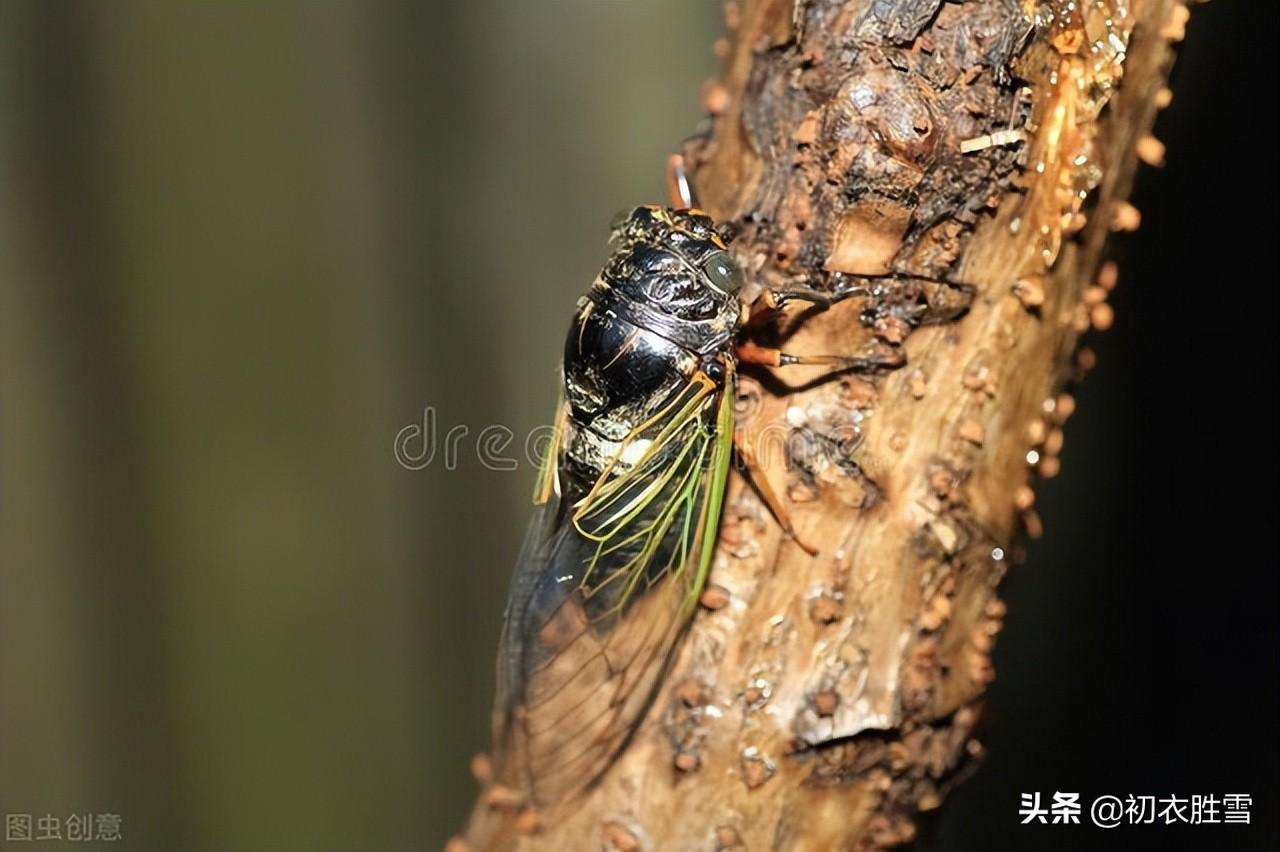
628	500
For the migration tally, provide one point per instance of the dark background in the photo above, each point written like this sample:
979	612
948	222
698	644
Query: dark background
243	246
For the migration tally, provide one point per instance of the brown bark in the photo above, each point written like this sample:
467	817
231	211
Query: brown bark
820	703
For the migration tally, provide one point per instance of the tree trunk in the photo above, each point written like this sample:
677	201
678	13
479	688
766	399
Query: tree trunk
963	164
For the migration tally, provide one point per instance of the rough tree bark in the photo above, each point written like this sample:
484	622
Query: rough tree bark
963	163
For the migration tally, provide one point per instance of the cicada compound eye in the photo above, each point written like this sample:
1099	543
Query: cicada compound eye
723	272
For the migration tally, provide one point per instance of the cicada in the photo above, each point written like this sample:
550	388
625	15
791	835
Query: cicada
627	502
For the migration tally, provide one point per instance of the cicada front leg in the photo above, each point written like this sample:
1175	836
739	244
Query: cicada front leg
762	300
766	302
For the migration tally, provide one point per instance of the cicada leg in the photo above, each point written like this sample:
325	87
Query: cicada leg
765	301
761	482
751	353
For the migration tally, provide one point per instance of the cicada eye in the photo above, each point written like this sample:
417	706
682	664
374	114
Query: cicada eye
722	271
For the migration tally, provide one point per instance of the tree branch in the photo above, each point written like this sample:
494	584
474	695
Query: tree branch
963	164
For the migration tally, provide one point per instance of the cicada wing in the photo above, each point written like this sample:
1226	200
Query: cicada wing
531	566
605	597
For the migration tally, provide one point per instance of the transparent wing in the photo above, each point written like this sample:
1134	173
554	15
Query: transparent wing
602	592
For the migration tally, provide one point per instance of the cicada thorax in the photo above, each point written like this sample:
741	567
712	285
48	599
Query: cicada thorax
649	326
605	588
641	415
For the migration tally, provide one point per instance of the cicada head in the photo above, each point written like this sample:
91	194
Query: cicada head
674	264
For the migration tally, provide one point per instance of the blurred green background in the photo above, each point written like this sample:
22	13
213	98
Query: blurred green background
242	245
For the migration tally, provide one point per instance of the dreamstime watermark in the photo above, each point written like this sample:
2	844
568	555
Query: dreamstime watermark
498	447
418	446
